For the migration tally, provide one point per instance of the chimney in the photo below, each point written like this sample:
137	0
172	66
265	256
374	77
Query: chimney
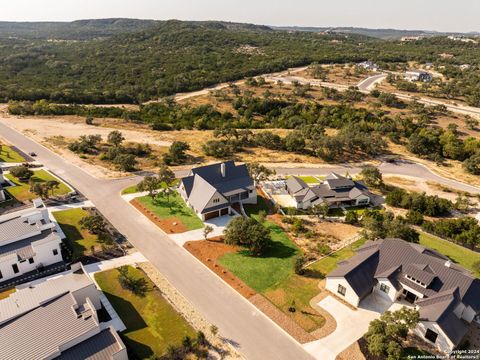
222	169
448	263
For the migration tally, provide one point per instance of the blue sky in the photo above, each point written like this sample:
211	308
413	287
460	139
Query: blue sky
444	15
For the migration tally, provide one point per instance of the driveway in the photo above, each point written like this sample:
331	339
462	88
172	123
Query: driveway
218	224
351	325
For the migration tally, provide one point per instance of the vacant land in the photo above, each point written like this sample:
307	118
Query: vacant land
7	154
458	254
21	190
81	241
6	293
152	324
172	212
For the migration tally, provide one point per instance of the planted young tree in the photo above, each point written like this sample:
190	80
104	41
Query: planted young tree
138	286
259	172
207	230
150	184
51	185
385	335
248	233
38	189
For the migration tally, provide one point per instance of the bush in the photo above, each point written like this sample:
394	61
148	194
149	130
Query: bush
351	217
249	233
299	264
21	172
324	249
421	203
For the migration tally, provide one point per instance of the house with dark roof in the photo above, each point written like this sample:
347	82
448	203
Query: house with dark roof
57	318
336	190
213	190
446	295
29	240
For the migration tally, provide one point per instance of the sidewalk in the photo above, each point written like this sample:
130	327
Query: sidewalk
131	259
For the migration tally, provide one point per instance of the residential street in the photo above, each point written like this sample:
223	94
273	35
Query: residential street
254	335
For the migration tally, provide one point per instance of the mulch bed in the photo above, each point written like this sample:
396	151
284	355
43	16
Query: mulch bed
209	251
170	225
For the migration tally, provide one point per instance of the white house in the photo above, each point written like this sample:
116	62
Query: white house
213	190
418	75
28	241
446	295
56	317
336	190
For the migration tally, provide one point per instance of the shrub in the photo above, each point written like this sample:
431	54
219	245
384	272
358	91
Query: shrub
21	172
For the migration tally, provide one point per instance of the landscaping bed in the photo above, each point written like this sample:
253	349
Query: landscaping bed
172	216
152	323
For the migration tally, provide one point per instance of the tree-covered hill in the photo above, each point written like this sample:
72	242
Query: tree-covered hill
173	56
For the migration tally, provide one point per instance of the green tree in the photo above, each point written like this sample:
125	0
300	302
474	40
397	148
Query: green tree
176	153
207	230
93	223
21	172
150	184
372	176
125	162
165	175
321	209
248	233
259	172
115	138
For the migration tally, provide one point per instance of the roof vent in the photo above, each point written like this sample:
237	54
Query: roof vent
448	263
222	169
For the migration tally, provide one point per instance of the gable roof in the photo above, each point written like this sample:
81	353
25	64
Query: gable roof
295	184
445	287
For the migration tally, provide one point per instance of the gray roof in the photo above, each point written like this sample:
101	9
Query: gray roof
99	347
295	184
204	181
24	249
39	333
17	227
446	284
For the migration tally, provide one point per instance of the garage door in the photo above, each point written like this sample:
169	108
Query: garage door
211	215
224	212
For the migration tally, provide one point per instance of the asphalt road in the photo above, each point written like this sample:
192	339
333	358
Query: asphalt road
249	330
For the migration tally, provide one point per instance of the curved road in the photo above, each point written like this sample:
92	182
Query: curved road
248	329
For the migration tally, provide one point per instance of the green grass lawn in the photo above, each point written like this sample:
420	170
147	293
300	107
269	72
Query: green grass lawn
309	179
130	190
7	154
80	240
327	264
175	207
274	266
458	254
152	323
21	190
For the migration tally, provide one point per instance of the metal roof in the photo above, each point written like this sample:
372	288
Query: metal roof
24	248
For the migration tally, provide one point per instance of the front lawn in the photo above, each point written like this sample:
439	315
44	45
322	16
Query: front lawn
130	190
7	154
21	190
458	254
80	240
265	271
173	208
152	323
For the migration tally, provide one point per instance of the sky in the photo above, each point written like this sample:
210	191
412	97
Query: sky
441	15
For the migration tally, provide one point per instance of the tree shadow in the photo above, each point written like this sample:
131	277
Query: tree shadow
313	274
137	350
127	312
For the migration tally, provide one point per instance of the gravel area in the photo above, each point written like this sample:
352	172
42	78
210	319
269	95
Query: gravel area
220	349
352	352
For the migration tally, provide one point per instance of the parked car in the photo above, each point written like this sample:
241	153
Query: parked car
32	154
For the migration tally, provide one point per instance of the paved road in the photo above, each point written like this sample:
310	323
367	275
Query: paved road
368	83
239	321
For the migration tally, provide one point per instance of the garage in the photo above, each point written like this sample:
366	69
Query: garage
216	213
224	212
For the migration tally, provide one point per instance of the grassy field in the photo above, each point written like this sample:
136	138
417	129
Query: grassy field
174	207
130	190
21	190
458	254
152	324
80	240
7	154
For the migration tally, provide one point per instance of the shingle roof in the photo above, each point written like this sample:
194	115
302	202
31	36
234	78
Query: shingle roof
295	184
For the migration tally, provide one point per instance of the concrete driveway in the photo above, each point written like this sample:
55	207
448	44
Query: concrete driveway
218	224
351	325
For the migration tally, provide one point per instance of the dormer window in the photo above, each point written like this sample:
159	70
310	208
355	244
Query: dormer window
416	281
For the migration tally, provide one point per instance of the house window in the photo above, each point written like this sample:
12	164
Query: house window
431	335
215	201
55	252
31	261
385	288
15	268
341	290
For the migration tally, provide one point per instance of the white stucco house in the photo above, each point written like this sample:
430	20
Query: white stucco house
336	190
213	190
28	241
446	295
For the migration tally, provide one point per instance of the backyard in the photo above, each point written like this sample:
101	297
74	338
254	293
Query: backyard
152	323
7	154
458	254
21	190
172	212
81	240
